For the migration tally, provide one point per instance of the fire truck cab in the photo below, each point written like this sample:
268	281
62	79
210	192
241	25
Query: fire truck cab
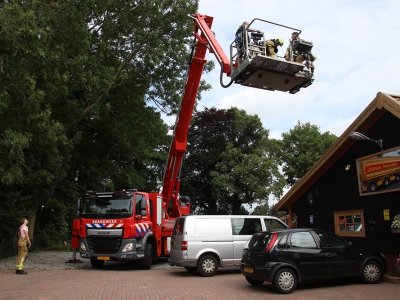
124	225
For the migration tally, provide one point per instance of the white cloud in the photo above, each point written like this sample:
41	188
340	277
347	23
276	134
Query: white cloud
356	45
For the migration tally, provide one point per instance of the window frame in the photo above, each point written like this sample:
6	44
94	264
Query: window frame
351	213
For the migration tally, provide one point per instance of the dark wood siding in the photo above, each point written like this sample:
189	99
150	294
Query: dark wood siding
337	190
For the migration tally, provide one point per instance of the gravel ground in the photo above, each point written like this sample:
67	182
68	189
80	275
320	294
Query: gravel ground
59	260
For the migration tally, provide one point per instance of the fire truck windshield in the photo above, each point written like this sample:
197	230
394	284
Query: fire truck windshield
107	207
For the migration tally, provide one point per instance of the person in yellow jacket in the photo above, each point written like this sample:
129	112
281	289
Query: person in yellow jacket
272	46
23	243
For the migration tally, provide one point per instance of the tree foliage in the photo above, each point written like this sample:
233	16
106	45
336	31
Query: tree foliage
81	83
228	162
300	148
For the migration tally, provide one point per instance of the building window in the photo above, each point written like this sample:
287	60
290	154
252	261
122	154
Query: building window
350	223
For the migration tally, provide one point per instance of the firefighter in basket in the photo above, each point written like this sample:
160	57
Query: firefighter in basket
272	46
300	51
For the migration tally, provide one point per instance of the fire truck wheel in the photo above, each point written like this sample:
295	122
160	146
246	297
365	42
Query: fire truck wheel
145	263
208	265
386	181
372	187
96	263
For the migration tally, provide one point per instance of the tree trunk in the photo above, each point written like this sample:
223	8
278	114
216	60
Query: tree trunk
236	205
32	222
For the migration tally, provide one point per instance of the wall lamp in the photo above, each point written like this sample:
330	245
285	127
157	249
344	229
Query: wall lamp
361	137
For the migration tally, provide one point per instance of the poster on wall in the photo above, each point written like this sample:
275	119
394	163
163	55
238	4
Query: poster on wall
379	173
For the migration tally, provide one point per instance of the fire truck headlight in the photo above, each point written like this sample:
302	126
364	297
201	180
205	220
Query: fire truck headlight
83	247
128	247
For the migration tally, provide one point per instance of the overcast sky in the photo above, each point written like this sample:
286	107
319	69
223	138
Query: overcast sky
357	46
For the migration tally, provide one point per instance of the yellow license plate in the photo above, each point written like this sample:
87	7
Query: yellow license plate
103	258
248	269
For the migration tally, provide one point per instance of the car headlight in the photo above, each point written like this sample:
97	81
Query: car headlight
83	247
128	247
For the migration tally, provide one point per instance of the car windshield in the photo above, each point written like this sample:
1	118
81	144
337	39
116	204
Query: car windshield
259	241
107	207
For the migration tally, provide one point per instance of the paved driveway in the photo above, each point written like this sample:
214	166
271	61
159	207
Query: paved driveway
126	281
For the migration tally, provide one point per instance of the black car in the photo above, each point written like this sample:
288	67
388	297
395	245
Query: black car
290	256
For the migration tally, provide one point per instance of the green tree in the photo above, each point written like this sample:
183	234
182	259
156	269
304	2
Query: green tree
81	85
228	162
300	148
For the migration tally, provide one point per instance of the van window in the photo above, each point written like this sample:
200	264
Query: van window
246	226
213	227
178	228
271	224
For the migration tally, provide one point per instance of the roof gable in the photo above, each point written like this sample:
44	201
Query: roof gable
373	112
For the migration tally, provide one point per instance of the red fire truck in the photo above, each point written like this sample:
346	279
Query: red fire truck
133	225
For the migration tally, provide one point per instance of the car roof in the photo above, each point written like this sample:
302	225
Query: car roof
293	229
229	216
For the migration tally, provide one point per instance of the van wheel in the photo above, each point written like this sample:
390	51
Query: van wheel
372	272
208	265
96	263
253	281
145	263
285	281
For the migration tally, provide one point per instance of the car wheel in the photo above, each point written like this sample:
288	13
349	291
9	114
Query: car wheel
145	263
191	269
285	281
208	265
96	263
372	272
254	282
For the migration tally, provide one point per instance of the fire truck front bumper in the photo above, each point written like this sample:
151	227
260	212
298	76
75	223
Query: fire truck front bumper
103	249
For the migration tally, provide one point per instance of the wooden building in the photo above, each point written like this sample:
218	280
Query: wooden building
354	188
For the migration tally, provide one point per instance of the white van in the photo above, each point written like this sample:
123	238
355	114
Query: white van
204	243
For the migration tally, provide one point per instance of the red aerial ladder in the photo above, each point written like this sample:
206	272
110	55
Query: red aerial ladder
256	70
205	40
133	225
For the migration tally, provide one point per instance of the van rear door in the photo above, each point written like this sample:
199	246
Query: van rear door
177	238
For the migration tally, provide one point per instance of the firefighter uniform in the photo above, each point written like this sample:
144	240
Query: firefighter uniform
23	242
300	57
22	253
272	46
